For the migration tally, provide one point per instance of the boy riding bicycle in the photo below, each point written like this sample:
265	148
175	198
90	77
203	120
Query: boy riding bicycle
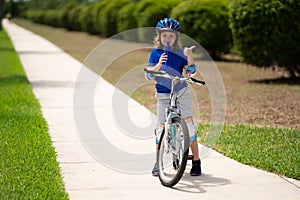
167	55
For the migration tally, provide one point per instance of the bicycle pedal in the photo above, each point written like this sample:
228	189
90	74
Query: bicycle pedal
190	157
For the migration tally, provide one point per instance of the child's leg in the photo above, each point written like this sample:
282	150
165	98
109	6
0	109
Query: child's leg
196	163
158	132
162	103
195	150
185	104
193	137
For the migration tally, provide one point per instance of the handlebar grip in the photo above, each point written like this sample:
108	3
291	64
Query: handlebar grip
198	81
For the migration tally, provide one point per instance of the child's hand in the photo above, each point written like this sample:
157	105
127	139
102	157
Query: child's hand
163	58
188	51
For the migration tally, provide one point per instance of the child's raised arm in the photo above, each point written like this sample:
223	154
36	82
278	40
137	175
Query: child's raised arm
189	53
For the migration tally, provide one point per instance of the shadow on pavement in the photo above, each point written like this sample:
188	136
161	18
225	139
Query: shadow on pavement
195	184
52	84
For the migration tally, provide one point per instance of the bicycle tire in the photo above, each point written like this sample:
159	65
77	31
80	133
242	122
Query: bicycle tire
179	164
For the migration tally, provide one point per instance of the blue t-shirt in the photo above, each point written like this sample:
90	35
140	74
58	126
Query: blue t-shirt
173	66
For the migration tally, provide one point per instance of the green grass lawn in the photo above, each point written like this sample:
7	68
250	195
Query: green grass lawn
272	149
28	166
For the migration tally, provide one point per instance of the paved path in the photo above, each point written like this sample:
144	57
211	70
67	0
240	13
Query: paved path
54	77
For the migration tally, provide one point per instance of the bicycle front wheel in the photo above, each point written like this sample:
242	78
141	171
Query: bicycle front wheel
173	151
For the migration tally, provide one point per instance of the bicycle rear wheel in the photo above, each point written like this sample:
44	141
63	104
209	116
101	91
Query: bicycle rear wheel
173	152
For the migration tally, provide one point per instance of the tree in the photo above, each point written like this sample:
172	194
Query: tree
267	32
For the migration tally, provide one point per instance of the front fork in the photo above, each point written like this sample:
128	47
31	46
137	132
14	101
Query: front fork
170	129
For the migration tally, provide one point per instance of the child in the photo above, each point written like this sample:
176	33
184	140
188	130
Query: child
168	56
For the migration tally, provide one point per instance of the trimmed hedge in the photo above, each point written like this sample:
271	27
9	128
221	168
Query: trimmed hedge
267	32
86	19
206	21
149	12
63	16
35	15
51	17
73	18
96	11
127	21
108	17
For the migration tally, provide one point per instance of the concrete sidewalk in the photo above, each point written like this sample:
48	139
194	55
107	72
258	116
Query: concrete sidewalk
54	77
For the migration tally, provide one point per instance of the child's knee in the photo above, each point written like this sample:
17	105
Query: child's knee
192	131
158	131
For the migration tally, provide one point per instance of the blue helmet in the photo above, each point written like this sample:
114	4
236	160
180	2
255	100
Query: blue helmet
167	24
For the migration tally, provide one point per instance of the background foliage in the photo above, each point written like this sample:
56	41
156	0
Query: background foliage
265	33
207	22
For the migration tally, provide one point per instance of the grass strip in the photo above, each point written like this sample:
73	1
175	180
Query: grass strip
28	166
269	148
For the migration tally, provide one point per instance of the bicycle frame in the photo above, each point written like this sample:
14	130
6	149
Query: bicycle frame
171	112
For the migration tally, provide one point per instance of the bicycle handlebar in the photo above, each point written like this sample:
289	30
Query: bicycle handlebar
166	75
155	72
198	81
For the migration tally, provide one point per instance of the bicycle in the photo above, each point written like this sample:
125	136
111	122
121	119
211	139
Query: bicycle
173	147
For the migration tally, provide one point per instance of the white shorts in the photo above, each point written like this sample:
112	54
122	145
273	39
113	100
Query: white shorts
184	103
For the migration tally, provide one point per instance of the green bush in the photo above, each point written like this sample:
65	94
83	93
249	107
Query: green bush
96	10
108	17
73	18
28	15
149	12
206	21
48	17
267	32
85	19
35	15
126	21
51	17
63	15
